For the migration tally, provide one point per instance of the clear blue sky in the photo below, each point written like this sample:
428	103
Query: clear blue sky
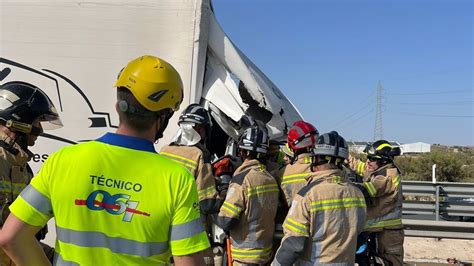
328	56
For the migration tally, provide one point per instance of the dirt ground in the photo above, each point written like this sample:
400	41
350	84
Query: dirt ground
419	249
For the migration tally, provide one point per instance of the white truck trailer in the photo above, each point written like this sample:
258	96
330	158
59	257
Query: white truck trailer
73	50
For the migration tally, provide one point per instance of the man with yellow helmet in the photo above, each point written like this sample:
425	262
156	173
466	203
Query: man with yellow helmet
115	200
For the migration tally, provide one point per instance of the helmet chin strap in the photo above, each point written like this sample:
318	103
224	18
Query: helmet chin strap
22	130
22	140
163	123
23	127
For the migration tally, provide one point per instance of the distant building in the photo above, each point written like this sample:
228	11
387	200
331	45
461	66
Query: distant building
357	146
409	148
417	147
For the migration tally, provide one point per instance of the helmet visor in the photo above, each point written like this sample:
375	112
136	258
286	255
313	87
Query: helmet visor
369	150
51	120
51	123
286	150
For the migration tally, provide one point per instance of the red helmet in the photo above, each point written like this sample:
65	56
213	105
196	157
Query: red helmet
302	135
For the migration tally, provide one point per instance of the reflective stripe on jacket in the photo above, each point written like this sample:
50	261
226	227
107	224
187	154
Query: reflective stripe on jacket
14	177
194	159
14	171
292	177
323	222
116	201
248	213
384	187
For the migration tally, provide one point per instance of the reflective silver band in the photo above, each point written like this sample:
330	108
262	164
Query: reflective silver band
115	244
186	230
249	244
37	200
396	213
304	262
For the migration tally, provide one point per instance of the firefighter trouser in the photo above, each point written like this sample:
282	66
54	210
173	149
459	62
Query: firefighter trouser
390	246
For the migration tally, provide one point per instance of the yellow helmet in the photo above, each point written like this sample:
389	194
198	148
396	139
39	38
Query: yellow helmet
153	82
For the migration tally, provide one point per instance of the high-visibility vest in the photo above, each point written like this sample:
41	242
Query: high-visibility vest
115	202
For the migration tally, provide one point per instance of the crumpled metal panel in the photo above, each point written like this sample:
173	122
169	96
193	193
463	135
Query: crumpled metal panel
232	81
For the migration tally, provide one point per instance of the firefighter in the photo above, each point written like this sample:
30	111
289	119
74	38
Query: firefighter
24	110
274	158
292	177
288	154
327	214
248	212
189	149
382	185
115	201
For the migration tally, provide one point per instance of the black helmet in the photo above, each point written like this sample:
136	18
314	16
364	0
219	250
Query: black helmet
196	114
22	103
254	139
381	150
331	144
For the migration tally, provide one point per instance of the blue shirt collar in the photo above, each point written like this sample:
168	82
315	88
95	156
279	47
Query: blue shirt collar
127	142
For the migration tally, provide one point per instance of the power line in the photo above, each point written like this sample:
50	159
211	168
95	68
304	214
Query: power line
350	116
365	104
357	119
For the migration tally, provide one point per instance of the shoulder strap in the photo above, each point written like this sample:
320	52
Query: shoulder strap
9	148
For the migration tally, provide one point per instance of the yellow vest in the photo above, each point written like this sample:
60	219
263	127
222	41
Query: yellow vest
115	202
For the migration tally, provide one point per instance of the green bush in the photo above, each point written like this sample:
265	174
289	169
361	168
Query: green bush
468	173
450	166
453	164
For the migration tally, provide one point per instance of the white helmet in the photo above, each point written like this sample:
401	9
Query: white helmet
254	139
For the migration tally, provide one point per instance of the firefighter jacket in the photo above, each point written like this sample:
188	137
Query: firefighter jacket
292	177
323	222
15	175
384	188
197	160
14	171
248	213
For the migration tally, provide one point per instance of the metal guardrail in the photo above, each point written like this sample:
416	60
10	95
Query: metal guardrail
424	188
443	198
440	199
439	229
424	228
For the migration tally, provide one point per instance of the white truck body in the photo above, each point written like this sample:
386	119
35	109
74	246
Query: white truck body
74	49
